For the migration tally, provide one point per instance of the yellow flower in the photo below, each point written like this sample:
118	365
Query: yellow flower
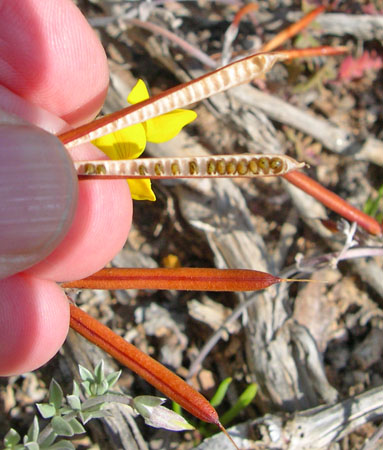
130	142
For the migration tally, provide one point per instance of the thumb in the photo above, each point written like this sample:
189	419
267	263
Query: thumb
38	195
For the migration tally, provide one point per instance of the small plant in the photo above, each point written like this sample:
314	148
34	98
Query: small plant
68	414
374	206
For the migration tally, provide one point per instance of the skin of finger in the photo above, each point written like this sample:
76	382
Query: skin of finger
104	209
83	252
38	196
57	84
115	195
42	313
14	109
54	60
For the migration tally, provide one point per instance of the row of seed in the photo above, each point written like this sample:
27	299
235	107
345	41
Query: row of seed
255	166
186	167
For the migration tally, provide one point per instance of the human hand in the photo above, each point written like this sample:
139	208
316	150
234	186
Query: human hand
53	73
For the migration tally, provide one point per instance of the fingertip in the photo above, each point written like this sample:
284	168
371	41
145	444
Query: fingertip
54	60
99	231
38	196
34	321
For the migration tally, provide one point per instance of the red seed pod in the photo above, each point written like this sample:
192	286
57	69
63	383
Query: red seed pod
182	278
146	367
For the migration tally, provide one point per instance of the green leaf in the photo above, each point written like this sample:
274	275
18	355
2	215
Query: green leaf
65	410
176	408
85	374
221	392
90	405
34	430
76	426
158	416
87	387
46	410
371	206
244	400
102	388
61	426
11	438
87	416
62	445
113	377
74	402
76	389
144	404
99	372
32	446
55	394
48	441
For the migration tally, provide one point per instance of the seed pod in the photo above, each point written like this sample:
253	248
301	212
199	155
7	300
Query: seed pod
238	72
218	166
148	368
183	278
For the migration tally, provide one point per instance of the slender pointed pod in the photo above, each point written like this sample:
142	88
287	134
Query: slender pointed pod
236	73
333	202
217	166
146	367
182	279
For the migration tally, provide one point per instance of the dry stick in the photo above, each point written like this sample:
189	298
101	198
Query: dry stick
181	279
146	367
232	32
216	336
188	48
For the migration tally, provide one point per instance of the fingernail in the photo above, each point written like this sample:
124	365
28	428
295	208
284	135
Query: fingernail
38	195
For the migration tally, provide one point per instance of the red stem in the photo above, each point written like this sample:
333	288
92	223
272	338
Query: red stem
333	201
146	367
250	7
292	30
184	278
314	51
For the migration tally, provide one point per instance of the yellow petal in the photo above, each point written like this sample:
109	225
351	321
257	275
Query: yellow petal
138	94
128	143
166	127
141	189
